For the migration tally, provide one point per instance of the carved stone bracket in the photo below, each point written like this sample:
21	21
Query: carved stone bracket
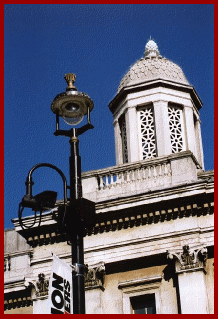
95	276
189	260
40	287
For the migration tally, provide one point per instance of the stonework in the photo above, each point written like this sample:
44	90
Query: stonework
154	231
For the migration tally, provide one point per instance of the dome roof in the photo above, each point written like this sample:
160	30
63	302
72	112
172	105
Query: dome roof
152	67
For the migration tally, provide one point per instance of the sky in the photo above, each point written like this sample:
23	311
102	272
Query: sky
99	43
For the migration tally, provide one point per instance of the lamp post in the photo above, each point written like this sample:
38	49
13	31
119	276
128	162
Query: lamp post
77	214
72	105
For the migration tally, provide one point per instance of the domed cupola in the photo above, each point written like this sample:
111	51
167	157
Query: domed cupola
153	66
156	111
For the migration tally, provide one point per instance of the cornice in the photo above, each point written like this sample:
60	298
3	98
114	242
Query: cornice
18	253
185	200
17	283
16	294
147	85
138	282
200	186
127	243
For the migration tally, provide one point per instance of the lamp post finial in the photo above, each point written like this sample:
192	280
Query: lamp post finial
70	79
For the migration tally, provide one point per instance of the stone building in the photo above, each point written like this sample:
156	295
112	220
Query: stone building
151	250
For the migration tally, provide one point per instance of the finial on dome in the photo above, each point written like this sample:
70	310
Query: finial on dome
151	49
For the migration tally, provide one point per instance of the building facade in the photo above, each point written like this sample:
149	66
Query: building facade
151	249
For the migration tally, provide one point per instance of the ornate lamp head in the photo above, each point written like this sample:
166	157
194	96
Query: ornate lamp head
72	105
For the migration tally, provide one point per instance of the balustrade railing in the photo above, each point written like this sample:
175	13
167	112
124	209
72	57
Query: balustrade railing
152	174
142	176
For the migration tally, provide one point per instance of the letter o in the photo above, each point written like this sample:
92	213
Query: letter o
60	304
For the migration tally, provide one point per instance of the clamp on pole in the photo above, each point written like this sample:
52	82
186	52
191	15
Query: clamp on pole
79	269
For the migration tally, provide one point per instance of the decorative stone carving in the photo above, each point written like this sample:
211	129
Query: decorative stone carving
189	260
39	287
42	286
95	276
7	263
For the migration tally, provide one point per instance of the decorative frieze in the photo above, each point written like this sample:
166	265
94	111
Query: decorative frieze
189	259
95	276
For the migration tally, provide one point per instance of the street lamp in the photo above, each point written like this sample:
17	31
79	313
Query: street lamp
77	215
72	105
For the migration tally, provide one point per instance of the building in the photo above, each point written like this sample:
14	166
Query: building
151	250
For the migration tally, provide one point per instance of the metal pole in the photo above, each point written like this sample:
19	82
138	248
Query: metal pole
76	239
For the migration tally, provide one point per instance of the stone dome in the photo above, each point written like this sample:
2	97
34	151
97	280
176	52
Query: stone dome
152	67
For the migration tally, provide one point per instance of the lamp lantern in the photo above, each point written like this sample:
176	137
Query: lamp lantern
72	105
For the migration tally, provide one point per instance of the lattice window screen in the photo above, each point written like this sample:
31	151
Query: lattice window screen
176	129
147	133
124	139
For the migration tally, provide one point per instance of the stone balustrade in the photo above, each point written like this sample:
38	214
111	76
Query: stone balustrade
152	174
129	179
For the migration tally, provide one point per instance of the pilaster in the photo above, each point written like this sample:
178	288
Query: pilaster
94	285
132	135
199	143
190	267
162	128
190	130
39	293
118	143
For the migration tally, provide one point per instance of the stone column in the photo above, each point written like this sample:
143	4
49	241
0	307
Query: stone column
190	130
132	135
118	143
162	128
94	288
189	265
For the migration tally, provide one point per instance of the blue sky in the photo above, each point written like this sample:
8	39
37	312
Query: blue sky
97	42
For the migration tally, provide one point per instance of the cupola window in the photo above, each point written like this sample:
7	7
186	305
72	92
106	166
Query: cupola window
147	133
176	128
122	123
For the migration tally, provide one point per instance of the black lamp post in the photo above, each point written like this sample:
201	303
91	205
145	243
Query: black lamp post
72	106
78	214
